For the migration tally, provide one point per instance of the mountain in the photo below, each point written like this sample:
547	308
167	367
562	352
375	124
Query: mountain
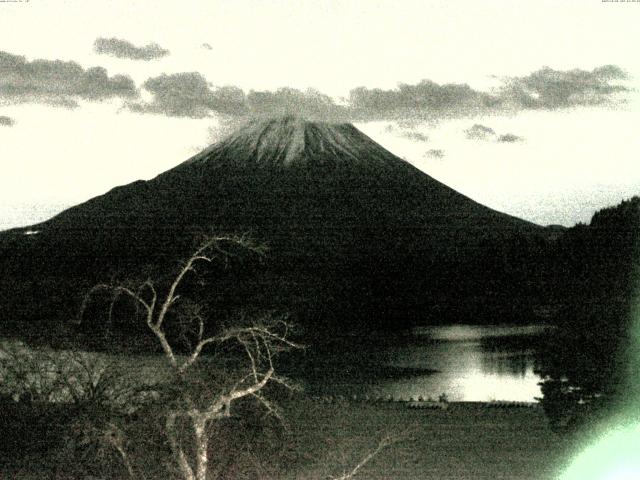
356	235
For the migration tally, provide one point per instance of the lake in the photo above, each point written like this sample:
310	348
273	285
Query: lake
465	362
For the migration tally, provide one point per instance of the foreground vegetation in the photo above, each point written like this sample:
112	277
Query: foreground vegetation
326	440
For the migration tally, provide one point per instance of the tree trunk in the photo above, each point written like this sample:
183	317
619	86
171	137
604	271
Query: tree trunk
185	469
202	444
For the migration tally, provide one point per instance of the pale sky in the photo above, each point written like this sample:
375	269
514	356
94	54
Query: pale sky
557	164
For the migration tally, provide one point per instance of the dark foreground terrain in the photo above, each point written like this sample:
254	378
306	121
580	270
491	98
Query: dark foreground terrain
466	441
327	440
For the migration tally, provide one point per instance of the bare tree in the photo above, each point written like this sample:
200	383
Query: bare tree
259	341
66	376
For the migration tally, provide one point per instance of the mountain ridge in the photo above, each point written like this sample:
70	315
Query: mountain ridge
306	151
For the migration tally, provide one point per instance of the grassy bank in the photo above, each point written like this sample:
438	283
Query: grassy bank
325	440
466	441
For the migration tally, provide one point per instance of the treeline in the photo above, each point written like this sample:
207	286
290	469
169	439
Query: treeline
595	275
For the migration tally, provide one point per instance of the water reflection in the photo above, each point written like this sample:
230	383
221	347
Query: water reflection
515	364
471	363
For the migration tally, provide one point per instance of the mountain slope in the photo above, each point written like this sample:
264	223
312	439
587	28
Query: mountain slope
346	222
287	173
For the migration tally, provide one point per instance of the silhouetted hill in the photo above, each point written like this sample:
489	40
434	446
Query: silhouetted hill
592	358
357	236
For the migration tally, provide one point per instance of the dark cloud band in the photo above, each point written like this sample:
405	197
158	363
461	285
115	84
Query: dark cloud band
552	89
57	82
189	94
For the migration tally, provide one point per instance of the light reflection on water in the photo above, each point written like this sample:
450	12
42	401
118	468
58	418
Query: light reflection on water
473	363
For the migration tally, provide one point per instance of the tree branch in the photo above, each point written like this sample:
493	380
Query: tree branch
384	442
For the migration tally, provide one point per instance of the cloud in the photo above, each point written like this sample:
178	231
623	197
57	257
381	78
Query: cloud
479	132
58	82
119	48
310	104
482	132
434	153
551	89
190	95
416	136
426	98
509	138
405	129
543	89
6	121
